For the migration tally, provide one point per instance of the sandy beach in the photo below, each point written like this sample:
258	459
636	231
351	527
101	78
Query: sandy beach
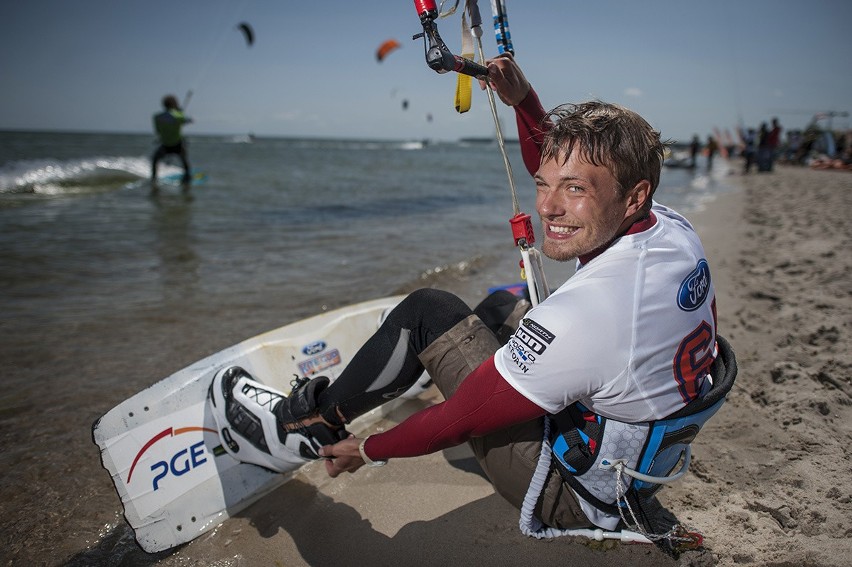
769	483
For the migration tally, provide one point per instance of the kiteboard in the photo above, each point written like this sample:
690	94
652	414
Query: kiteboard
197	178
161	446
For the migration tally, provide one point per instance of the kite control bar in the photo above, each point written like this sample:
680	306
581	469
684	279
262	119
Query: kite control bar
438	56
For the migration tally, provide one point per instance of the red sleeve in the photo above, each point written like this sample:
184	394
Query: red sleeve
483	403
530	114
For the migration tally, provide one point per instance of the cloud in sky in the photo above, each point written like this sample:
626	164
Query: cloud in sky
633	91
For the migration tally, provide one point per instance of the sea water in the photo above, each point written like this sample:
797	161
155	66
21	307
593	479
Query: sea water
107	288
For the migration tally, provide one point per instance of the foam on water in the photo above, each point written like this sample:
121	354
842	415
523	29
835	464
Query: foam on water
85	175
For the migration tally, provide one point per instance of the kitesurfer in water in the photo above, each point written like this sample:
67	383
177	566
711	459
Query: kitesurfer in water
628	340
168	125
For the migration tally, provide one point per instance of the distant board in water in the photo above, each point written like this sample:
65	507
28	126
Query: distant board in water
198	178
161	446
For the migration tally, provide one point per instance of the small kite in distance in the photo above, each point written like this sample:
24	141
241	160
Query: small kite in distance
248	32
385	48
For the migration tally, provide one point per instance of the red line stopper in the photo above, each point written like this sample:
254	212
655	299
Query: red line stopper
522	229
425	7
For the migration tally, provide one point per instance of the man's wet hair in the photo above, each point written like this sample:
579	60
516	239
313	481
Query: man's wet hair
607	135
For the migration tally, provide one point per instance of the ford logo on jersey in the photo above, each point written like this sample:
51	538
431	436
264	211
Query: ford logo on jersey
314	348
695	287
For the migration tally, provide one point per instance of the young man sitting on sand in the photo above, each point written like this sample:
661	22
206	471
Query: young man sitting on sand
628	340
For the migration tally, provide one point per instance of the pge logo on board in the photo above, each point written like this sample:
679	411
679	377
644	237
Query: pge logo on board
175	464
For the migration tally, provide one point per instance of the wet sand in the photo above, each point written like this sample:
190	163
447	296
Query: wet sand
769	484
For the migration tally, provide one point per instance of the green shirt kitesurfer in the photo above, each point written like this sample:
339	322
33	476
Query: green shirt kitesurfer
167	125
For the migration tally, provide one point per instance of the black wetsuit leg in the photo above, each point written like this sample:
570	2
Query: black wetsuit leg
178	150
387	365
187	176
498	312
155	160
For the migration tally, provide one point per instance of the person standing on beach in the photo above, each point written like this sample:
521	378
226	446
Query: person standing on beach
749	139
764	152
168	125
773	140
712	147
694	148
628	340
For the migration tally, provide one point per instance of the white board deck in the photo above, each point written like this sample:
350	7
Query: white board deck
161	446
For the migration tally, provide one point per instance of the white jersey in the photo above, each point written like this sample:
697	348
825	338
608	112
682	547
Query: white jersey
630	335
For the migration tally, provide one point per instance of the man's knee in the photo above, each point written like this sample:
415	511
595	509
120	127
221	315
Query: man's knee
502	312
450	358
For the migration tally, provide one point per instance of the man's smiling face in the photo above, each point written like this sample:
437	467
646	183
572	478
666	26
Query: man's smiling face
580	206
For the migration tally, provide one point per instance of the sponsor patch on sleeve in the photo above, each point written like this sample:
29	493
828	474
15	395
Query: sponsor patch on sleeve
695	287
528	343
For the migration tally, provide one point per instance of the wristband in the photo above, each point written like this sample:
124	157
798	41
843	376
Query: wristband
367	460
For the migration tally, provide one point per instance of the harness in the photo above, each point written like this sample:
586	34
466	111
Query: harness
616	466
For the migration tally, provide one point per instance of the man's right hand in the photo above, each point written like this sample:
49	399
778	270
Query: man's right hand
342	457
506	79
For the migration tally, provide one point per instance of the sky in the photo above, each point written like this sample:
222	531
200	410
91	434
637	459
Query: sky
687	67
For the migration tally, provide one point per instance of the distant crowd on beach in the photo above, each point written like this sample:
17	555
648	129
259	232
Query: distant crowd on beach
761	148
813	147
